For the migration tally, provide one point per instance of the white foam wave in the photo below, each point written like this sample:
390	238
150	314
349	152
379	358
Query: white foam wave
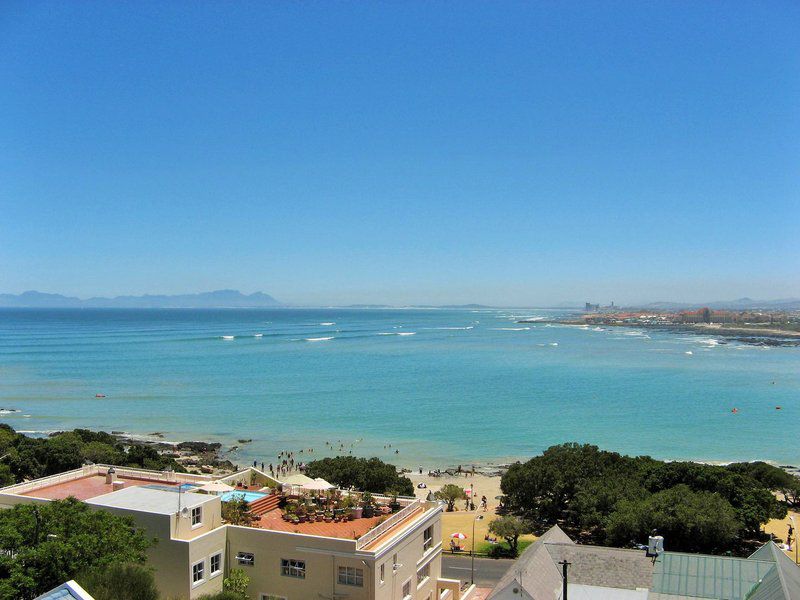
452	328
228	337
319	339
258	335
407	333
328	323
554	343
511	328
9	411
689	352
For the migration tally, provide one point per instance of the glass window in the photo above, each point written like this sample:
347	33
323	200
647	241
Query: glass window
198	572
383	572
423	573
407	589
215	564
197	515
351	576
246	558
427	542
293	568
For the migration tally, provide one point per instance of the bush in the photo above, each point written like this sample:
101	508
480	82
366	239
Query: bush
121	582
367	475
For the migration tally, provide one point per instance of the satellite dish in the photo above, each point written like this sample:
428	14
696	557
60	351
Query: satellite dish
185	512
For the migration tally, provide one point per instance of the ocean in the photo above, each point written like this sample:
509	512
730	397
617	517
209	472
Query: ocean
433	388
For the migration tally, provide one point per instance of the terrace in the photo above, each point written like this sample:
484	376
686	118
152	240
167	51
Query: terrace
92	480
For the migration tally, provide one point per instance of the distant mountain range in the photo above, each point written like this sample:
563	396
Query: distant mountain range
216	299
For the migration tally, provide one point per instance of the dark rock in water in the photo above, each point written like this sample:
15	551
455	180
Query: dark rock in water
247	441
767	341
200	447
157	434
117	433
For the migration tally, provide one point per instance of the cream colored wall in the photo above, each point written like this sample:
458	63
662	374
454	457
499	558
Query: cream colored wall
211	519
201	548
409	551
269	547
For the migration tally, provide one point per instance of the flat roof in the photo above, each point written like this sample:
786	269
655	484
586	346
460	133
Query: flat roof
151	500
87	487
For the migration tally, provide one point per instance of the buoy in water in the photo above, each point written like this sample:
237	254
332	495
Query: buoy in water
99	395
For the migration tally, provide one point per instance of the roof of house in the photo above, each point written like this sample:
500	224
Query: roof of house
534	569
151	500
66	591
599	572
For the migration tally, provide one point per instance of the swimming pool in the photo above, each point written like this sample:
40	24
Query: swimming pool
184	487
248	496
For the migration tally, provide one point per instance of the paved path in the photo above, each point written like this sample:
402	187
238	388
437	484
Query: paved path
488	571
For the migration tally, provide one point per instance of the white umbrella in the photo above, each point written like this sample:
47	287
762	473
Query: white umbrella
321	480
216	487
297	479
317	486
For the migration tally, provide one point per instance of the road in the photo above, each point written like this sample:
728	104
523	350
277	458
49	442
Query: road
488	571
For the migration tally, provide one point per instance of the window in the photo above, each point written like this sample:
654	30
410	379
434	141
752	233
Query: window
198	572
197	516
423	573
215	564
383	572
407	590
246	558
351	576
427	542
293	568
271	597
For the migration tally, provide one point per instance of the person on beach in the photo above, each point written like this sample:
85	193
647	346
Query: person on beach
484	504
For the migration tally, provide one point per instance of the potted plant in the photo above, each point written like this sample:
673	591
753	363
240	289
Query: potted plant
368	503
394	505
328	517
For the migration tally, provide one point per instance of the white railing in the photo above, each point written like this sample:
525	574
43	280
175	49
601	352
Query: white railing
168	476
373	534
34	484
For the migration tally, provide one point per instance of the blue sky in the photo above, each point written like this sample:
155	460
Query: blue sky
496	152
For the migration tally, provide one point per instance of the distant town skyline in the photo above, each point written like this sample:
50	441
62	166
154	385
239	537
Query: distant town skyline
365	153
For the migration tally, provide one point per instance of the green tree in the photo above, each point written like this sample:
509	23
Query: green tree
41	546
510	528
100	452
367	475
237	511
120	582
236	583
451	493
689	521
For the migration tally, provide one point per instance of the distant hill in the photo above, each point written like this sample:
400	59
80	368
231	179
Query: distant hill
216	299
739	304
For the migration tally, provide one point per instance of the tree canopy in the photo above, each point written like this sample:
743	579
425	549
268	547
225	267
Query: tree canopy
43	545
120	581
364	474
29	458
451	493
608	498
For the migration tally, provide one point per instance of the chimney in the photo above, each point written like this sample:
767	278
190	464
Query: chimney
111	475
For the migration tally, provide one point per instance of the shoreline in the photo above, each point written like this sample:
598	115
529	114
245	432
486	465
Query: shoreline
753	336
199	453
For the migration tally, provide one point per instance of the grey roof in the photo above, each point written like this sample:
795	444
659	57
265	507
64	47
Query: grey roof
534	570
149	500
66	591
604	566
768	574
784	582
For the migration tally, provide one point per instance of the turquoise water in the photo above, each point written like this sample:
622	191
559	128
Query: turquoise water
467	386
247	496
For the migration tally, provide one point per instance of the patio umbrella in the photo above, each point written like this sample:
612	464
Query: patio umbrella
321	480
297	479
317	486
458	536
216	487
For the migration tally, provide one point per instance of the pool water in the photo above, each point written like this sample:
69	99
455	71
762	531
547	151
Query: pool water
248	496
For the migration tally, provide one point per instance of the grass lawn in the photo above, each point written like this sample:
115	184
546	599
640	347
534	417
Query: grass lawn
461	522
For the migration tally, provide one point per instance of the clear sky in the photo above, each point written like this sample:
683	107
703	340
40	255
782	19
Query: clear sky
397	152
